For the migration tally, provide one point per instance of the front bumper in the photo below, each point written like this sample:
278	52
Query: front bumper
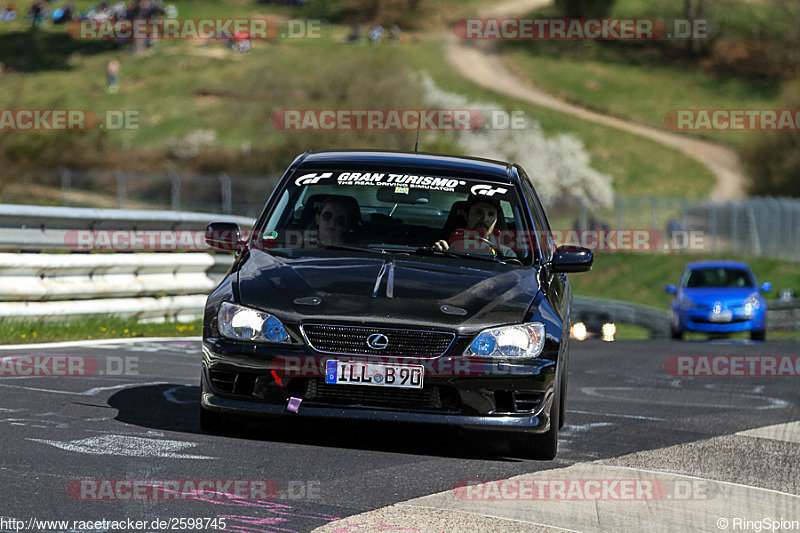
700	321
248	379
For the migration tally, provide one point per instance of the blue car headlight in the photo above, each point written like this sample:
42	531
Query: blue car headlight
241	323
523	340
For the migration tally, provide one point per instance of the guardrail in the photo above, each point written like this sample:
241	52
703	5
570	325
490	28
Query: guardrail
148	285
30	227
654	320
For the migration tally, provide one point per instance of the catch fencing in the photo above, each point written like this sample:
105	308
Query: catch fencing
752	227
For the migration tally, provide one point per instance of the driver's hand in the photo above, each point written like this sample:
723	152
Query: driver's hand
441	246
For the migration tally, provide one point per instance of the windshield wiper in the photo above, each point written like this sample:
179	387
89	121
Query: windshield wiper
430	250
349	248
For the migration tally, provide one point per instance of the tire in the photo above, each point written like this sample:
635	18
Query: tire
676	334
758	335
563	411
212	422
542	447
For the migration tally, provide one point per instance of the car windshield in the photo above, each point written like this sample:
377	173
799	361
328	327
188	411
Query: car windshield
719	277
443	215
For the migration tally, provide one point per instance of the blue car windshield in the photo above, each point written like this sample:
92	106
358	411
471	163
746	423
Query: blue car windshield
719	277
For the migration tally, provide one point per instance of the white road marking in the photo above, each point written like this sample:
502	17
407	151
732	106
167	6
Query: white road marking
572	430
169	394
126	445
90	392
603	392
616	415
492	516
789	432
697	478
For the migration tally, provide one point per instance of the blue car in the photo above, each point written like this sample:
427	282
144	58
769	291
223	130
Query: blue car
718	297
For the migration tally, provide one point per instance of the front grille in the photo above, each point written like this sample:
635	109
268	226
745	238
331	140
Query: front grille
426	398
353	340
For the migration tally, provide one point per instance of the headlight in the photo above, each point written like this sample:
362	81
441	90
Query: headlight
751	304
245	324
686	302
578	331
608	330
524	340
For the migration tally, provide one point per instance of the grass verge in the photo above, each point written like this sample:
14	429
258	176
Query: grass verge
91	327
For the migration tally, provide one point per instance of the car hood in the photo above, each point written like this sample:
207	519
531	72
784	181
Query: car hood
710	296
389	290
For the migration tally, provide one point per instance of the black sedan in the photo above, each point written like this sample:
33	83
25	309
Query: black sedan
391	286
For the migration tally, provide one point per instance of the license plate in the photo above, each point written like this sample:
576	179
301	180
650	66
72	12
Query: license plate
724	316
374	374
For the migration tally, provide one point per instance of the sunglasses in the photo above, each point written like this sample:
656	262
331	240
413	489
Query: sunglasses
340	220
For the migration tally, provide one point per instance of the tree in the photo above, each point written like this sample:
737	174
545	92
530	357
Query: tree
773	159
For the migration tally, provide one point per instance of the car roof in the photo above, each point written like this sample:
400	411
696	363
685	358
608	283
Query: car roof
411	161
717	264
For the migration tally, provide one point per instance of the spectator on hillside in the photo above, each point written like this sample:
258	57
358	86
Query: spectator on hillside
112	70
355	34
394	34
376	34
9	14
37	12
63	15
240	42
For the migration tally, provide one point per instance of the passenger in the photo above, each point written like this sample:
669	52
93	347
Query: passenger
332	220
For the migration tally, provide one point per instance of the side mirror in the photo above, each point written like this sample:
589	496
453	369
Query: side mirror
670	289
572	259
765	287
225	236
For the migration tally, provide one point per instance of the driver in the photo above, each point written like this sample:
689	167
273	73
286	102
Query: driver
482	216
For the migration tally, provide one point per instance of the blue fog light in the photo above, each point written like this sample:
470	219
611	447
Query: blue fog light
274	330
484	344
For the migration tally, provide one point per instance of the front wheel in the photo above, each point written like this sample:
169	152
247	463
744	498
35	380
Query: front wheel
676	334
758	335
542	447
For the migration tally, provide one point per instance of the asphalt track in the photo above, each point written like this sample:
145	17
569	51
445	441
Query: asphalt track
697	438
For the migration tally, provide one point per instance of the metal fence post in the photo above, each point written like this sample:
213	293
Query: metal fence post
176	190
653	213
225	186
66	185
712	211
734	227
620	212
122	191
755	242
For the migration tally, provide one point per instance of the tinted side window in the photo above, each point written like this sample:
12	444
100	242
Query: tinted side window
544	235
